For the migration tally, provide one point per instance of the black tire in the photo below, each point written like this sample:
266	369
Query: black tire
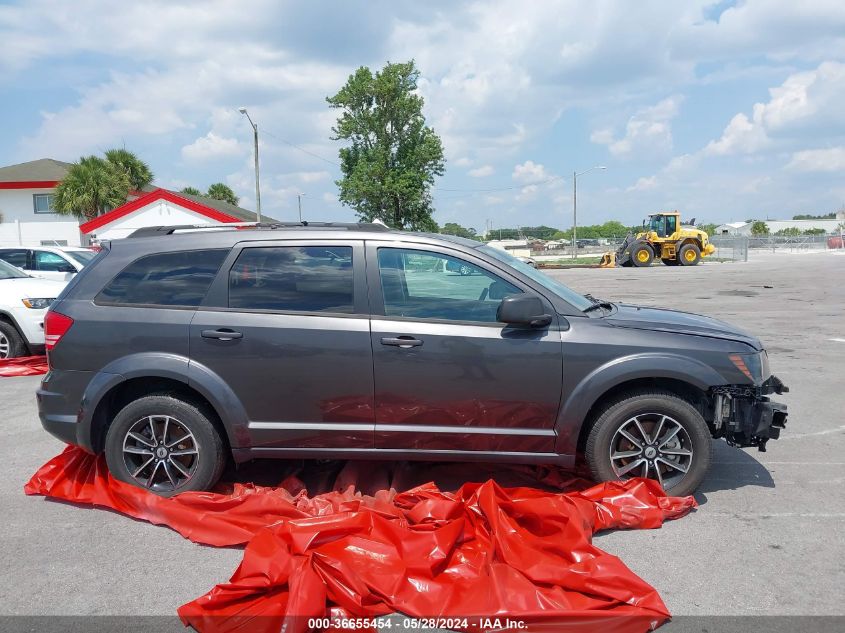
670	262
648	408
12	344
689	255
200	471
642	255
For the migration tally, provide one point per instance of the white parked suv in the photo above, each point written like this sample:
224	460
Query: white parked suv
23	303
59	263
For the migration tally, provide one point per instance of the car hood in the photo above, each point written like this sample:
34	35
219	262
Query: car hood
659	319
31	287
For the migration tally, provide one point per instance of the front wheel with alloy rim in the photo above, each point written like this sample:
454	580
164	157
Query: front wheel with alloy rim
11	343
652	434
165	445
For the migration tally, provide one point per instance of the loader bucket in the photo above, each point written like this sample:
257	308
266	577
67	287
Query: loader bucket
608	260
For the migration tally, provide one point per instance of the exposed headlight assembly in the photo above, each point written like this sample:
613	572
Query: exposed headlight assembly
749	364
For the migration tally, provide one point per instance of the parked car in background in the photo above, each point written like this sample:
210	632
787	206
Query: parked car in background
178	350
23	303
59	263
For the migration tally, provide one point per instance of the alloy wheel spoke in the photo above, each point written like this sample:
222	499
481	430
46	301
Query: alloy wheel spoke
152	429
671	464
164	434
142	467
137	450
640	428
178	467
143	440
625	454
187	451
659	474
645	469
630	438
152	475
676	451
656	436
629	467
669	437
179	441
167	472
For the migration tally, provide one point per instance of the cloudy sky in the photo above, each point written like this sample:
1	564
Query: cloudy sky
725	110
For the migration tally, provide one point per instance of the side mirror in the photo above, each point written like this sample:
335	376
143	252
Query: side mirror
523	309
67	268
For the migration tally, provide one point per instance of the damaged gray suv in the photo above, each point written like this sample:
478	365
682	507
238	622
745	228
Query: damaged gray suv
178	349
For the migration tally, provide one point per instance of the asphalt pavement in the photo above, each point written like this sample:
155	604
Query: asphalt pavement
766	540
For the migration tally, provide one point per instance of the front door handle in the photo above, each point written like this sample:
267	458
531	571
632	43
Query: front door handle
223	334
401	341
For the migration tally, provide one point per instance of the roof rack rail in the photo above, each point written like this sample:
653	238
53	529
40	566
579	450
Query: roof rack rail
151	231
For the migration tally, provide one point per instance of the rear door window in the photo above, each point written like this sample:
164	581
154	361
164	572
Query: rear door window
293	279
166	279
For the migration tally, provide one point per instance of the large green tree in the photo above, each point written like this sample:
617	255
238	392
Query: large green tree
136	170
191	191
91	187
453	228
758	227
393	157
220	191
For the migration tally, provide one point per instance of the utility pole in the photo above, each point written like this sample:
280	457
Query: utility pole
257	186
575	207
574	215
299	204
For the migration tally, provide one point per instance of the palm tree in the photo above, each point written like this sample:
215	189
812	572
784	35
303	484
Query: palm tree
191	191
91	187
219	191
136	170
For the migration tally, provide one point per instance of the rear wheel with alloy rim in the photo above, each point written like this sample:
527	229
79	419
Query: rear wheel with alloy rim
165	445
651	434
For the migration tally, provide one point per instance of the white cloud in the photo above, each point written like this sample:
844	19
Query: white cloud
481	172
644	184
807	104
493	200
530	172
210	147
825	160
648	131
527	193
463	161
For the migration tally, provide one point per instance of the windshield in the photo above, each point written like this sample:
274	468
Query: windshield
83	257
7	271
564	292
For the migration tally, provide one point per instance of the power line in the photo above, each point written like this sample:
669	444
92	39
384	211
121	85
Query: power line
301	149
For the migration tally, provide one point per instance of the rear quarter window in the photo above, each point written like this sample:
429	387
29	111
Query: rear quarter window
165	279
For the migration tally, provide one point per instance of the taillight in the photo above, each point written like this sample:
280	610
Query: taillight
56	326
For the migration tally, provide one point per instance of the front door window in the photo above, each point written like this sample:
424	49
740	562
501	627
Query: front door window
428	285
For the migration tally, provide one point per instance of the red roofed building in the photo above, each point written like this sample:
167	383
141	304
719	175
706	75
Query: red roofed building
28	219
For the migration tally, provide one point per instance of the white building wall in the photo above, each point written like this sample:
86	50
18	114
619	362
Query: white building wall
40	233
17	204
157	213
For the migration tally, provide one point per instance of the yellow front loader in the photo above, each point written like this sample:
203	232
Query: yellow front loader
664	237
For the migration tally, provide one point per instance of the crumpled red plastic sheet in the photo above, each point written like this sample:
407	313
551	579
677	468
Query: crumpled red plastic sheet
483	551
23	366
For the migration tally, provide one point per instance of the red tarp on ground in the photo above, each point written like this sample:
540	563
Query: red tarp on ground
23	366
482	551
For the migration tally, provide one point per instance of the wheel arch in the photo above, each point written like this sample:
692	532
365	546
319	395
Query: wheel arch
689	378
131	377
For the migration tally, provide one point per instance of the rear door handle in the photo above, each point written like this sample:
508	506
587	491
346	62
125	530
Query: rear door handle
401	341
223	334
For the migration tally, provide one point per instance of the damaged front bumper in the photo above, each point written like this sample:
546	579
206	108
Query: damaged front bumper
746	416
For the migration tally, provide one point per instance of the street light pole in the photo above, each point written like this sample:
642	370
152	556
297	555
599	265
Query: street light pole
575	207
299	203
257	186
